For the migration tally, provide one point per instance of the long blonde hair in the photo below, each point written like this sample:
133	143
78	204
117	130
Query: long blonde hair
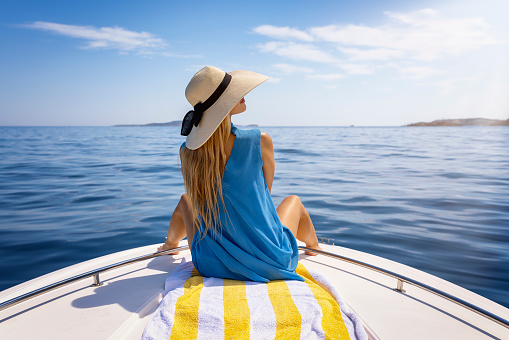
203	170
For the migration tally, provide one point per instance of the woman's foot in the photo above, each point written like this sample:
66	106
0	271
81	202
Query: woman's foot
317	247
167	246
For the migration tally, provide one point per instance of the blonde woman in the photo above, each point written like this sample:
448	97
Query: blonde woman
233	229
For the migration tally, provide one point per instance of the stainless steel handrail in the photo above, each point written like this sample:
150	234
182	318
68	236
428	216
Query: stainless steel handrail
402	278
93	273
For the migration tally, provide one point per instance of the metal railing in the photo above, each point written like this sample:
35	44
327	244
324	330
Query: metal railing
403	279
93	273
399	287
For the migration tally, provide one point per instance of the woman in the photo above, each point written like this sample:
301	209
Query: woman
233	229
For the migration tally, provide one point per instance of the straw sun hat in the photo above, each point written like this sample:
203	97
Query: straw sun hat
213	94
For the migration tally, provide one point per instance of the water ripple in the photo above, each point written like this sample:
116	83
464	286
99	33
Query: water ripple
435	199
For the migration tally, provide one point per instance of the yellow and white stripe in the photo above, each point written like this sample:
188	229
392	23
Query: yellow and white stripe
212	297
260	305
211	308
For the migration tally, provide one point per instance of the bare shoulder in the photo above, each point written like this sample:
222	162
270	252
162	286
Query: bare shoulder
266	141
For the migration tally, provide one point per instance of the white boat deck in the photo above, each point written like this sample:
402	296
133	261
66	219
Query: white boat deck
121	307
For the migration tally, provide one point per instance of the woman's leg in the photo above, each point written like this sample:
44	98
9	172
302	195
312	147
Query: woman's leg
181	225
295	217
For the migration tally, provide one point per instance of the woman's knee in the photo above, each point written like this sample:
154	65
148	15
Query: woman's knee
294	199
290	205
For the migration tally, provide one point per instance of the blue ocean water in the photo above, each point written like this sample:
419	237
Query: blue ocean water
436	199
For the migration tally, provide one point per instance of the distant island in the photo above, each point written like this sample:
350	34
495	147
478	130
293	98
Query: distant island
172	123
464	122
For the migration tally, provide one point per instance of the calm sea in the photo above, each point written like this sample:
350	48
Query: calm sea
436	199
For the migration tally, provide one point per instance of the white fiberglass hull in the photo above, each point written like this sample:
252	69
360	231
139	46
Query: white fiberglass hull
121	307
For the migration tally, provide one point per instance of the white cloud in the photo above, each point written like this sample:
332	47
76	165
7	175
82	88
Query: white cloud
104	37
327	77
371	53
113	38
297	51
352	35
356	68
290	69
420	35
412	17
425	47
282	32
419	72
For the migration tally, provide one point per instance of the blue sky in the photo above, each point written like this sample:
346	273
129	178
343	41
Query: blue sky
364	63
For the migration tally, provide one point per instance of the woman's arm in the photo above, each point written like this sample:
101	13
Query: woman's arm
269	164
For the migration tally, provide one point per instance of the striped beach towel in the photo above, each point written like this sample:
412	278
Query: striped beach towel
196	307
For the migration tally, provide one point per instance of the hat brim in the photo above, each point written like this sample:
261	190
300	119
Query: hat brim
241	84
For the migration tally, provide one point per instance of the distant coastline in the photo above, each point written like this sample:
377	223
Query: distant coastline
464	122
172	123
439	122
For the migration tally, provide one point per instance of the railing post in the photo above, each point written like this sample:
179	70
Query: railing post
399	287
97	281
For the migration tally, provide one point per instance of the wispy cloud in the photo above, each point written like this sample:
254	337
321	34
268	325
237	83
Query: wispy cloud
415	40
104	37
356	68
291	69
327	77
112	38
419	35
282	33
419	72
372	53
297	51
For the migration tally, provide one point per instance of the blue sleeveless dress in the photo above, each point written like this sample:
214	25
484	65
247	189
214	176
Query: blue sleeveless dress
252	244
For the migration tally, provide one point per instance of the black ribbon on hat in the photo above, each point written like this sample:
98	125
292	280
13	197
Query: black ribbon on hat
193	117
